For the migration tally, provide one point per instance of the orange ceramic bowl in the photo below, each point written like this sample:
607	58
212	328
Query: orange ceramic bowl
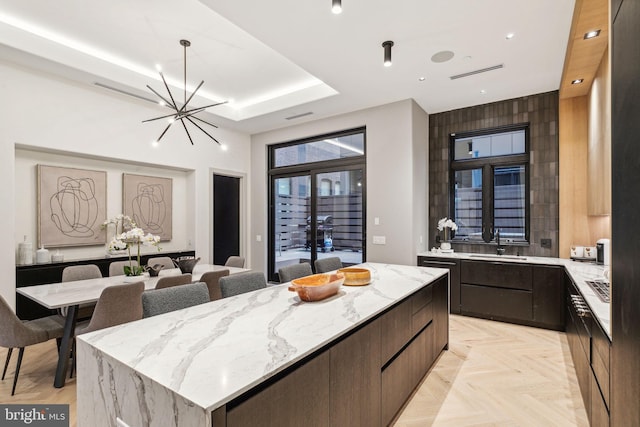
355	276
317	286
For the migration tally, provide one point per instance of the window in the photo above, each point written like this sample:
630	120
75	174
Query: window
319	150
490	184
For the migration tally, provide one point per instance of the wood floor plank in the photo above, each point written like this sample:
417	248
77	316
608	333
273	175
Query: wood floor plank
494	374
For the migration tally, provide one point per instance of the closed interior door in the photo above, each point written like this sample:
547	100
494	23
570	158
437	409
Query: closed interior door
226	218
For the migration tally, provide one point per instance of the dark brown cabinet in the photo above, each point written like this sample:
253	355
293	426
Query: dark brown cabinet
590	349
362	379
454	277
300	398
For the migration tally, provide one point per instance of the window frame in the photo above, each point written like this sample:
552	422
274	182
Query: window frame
488	165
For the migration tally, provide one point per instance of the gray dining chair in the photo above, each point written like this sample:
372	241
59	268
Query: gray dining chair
324	265
117	304
290	272
235	261
240	283
212	279
159	301
116	268
15	333
81	272
169	281
165	261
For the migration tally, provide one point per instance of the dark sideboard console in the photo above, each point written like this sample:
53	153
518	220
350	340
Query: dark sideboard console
39	274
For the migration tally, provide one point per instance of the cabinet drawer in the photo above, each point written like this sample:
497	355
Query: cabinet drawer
395	330
421	318
421	298
496	274
601	344
600	350
497	303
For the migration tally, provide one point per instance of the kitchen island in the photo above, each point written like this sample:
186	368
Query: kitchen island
352	359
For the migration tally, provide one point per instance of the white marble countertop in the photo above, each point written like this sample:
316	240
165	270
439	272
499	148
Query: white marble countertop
580	272
212	353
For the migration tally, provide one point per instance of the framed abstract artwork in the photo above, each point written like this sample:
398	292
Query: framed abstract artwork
72	204
148	201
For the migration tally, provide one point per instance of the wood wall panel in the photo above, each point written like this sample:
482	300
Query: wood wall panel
599	158
576	226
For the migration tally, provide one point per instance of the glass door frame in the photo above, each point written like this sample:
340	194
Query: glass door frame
312	170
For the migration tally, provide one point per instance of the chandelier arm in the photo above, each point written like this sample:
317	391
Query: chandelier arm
204	121
169	104
199	109
186	130
186	102
163	132
161	117
169	91
205	132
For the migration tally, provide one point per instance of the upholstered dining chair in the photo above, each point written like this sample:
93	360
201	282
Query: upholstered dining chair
159	301
15	333
81	272
212	279
116	268
240	283
169	281
235	261
165	261
325	265
290	272
117	304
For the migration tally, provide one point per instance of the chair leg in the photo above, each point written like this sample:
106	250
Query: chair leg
6	363
15	377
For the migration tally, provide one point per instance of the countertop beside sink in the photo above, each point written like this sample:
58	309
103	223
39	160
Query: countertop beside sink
580	272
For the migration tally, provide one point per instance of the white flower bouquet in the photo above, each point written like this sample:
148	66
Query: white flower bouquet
130	235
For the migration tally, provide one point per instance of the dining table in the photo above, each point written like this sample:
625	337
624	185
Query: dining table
73	294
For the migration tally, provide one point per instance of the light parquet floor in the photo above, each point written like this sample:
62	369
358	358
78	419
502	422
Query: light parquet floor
494	374
498	374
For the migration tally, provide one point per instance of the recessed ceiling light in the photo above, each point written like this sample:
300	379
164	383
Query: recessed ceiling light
482	91
591	34
577	81
509	36
421	79
467	58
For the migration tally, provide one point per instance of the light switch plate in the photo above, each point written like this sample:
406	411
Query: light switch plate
379	240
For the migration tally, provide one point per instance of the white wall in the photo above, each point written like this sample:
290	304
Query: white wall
44	113
396	150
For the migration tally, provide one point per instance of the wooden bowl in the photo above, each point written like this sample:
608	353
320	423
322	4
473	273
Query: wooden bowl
317	286
355	276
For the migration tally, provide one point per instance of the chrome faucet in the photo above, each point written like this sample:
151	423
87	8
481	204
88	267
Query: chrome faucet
500	249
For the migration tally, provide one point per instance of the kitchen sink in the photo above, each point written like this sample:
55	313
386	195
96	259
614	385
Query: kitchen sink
498	256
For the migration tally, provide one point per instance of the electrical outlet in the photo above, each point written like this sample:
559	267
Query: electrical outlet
545	243
379	240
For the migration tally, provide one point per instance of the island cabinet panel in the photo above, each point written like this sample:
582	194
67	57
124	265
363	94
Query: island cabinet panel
454	277
395	329
300	398
440	315
396	385
355	379
548	297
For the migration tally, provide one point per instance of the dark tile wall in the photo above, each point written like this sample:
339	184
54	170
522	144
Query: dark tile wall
541	112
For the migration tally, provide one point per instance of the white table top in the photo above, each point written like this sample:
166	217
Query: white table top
56	295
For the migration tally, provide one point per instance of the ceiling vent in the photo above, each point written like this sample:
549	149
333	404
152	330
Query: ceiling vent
482	70
297	116
124	92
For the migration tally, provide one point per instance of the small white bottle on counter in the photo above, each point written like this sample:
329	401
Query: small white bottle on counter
25	252
42	255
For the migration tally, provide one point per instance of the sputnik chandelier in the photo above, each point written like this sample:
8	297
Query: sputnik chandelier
182	112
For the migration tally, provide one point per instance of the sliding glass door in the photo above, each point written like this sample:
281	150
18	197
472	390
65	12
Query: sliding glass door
317	201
